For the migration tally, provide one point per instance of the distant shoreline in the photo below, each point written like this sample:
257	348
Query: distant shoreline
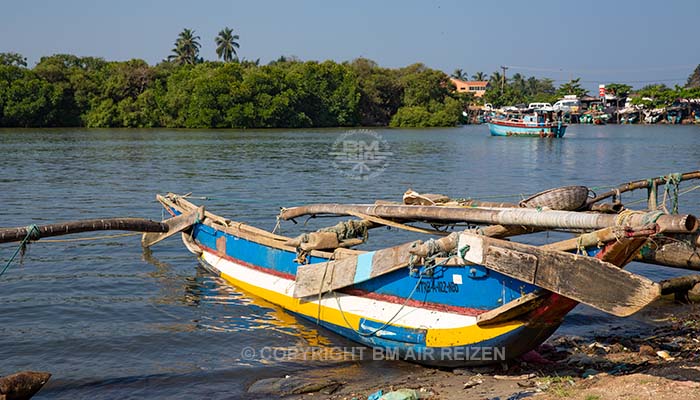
64	90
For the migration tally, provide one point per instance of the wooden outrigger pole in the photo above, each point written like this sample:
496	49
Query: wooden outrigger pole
548	219
643	184
34	232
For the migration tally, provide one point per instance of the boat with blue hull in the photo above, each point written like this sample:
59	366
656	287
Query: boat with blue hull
434	308
527	126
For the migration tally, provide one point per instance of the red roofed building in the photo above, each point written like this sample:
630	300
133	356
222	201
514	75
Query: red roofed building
478	88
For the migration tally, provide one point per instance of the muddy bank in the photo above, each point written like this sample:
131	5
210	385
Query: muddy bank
659	362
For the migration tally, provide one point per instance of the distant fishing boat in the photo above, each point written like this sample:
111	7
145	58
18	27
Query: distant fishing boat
529	125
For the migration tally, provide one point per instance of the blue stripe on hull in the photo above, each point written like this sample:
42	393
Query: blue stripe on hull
504	347
475	287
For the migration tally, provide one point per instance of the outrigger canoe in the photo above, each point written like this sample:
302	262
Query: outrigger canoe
465	299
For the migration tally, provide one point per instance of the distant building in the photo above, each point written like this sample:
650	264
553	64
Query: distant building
478	88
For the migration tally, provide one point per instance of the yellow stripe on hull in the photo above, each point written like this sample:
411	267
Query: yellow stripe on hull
442	337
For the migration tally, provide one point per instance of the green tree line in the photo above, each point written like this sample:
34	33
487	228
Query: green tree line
520	89
187	92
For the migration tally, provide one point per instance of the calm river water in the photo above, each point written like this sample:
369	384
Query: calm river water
110	321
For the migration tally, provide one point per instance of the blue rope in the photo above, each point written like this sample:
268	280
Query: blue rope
671	189
652	217
33	233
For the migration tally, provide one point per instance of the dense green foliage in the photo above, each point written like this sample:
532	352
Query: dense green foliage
655	96
13	59
518	90
618	89
65	90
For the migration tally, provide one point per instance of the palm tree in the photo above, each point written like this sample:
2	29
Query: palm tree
226	44
186	48
572	87
479	76
495	78
519	82
461	75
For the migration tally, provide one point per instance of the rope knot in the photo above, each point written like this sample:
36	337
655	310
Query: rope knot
671	190
33	232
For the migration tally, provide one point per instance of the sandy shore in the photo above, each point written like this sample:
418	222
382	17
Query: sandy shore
660	364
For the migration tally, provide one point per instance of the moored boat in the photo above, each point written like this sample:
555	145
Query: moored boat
450	302
531	125
432	321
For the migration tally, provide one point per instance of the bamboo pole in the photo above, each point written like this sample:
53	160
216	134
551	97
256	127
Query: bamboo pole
385	222
595	238
641	184
549	219
679	284
65	228
675	254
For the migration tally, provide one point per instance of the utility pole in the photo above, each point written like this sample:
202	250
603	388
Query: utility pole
503	78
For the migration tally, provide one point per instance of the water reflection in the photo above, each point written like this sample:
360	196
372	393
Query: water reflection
223	308
106	312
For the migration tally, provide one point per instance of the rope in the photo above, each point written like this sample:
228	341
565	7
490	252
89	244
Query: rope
671	188
580	248
680	193
410	295
651	194
622	217
647	219
348	230
33	233
278	225
397	225
652	217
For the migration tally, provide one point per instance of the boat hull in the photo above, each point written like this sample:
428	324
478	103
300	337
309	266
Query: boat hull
431	320
498	128
416	335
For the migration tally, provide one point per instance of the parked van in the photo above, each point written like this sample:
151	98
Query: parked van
567	106
540	106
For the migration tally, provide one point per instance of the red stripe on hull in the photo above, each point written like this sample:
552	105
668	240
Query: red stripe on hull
471	312
468	311
524	125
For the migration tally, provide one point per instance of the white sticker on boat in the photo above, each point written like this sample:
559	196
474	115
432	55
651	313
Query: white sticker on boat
457	279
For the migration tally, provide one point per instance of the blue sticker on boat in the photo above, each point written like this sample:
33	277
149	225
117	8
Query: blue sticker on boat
391	332
363	268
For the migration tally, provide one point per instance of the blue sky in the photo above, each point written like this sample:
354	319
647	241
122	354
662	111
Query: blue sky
635	42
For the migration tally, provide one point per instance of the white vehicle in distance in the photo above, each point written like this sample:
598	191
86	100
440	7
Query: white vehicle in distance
567	105
540	107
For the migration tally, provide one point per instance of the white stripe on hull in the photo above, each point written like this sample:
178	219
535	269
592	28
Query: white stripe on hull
378	310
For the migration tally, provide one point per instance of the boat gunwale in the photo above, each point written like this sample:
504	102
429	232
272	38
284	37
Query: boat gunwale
246	231
522	124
